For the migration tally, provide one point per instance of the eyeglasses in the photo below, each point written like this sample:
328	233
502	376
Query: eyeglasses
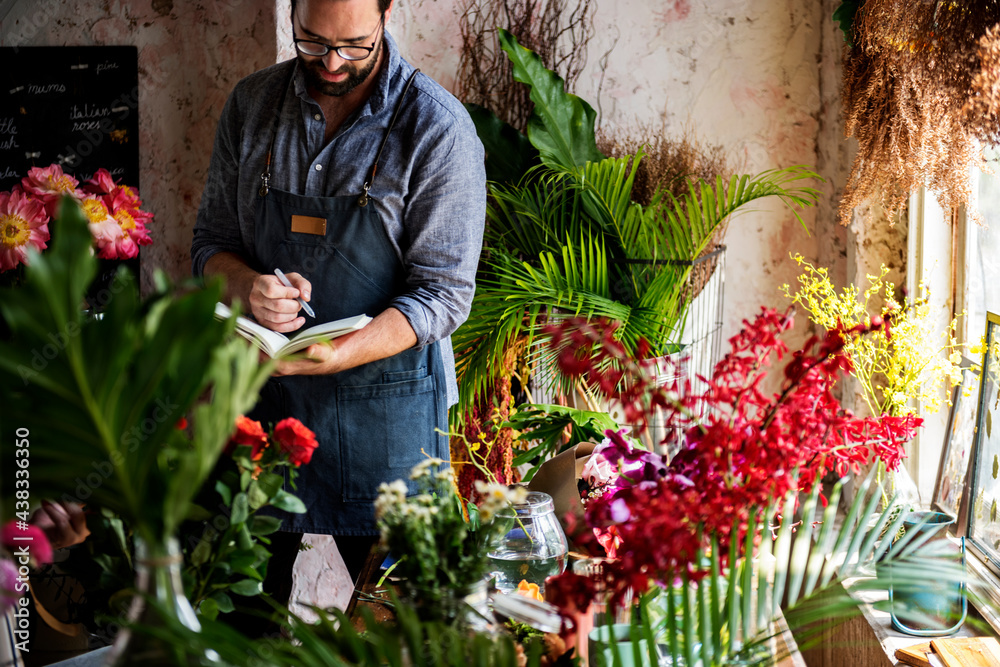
319	49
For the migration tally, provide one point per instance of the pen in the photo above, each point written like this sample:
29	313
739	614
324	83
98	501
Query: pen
284	281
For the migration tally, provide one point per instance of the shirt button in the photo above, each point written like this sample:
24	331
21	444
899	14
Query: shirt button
319	167
318	117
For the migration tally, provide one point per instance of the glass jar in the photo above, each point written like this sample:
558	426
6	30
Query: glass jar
534	547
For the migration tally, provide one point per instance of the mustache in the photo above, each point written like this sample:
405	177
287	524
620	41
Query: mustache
343	69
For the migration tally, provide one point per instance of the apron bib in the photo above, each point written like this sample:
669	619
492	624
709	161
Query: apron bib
374	422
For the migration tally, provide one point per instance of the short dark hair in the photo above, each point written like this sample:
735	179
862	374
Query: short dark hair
383	5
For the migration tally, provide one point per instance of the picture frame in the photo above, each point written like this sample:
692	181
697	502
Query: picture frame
956	454
982	527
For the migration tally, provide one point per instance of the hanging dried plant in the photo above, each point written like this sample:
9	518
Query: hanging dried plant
907	84
984	100
557	30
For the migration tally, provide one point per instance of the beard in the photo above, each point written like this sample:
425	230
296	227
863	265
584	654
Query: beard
355	75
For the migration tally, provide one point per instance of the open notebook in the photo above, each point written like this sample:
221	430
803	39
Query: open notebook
277	344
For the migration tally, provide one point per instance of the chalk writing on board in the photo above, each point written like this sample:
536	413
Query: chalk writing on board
36	89
87	111
72	106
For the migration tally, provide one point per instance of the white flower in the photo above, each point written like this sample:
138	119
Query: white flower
390	496
495	497
422	469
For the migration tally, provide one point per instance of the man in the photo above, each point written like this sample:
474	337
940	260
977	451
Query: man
364	182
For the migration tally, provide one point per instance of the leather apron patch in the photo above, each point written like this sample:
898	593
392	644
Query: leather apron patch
304	224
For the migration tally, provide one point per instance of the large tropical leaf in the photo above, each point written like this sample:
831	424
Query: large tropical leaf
509	154
561	126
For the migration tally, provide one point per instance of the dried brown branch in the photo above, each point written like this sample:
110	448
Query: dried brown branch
557	30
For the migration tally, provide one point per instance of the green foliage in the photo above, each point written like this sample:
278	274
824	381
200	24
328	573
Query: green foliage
571	242
807	562
544	427
336	641
565	237
441	555
561	126
845	15
225	550
509	154
101	398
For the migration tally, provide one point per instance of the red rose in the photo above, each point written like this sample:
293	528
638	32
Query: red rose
296	440
249	433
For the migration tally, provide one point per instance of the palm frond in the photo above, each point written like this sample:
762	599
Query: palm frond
797	572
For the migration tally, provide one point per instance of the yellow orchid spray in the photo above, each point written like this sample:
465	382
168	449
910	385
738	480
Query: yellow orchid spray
912	361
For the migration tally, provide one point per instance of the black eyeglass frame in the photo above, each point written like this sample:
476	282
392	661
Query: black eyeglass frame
327	48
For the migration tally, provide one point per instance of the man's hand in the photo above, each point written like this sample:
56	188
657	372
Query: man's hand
274	306
317	359
387	334
64	523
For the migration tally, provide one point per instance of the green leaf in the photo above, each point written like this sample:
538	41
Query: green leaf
270	483
201	553
208	608
247	588
509	154
241	509
198	513
256	496
224	602
286	501
561	126
844	15
265	525
223	490
243	538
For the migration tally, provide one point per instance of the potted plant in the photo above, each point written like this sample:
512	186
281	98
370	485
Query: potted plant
564	237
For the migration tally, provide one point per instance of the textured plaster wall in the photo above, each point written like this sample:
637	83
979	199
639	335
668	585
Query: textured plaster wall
190	56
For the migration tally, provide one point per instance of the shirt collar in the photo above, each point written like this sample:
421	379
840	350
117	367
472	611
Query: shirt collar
380	93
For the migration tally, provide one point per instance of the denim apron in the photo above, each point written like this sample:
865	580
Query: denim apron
373	422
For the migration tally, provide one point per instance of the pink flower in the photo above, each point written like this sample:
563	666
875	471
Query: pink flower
18	534
109	236
8	585
598	471
49	184
101	183
23	225
123	204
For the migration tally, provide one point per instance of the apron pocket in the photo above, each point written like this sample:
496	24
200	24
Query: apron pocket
383	428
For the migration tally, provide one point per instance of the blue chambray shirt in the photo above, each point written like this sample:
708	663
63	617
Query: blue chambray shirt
429	190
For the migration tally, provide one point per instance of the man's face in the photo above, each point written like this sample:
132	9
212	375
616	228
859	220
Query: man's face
337	23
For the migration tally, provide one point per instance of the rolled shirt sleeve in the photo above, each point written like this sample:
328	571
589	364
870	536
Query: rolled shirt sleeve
443	229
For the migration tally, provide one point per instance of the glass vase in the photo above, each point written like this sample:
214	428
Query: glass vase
534	547
159	602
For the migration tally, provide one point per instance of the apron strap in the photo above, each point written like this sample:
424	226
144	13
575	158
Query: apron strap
363	199
265	176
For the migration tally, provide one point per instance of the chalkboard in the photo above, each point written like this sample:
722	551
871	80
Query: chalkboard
76	106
